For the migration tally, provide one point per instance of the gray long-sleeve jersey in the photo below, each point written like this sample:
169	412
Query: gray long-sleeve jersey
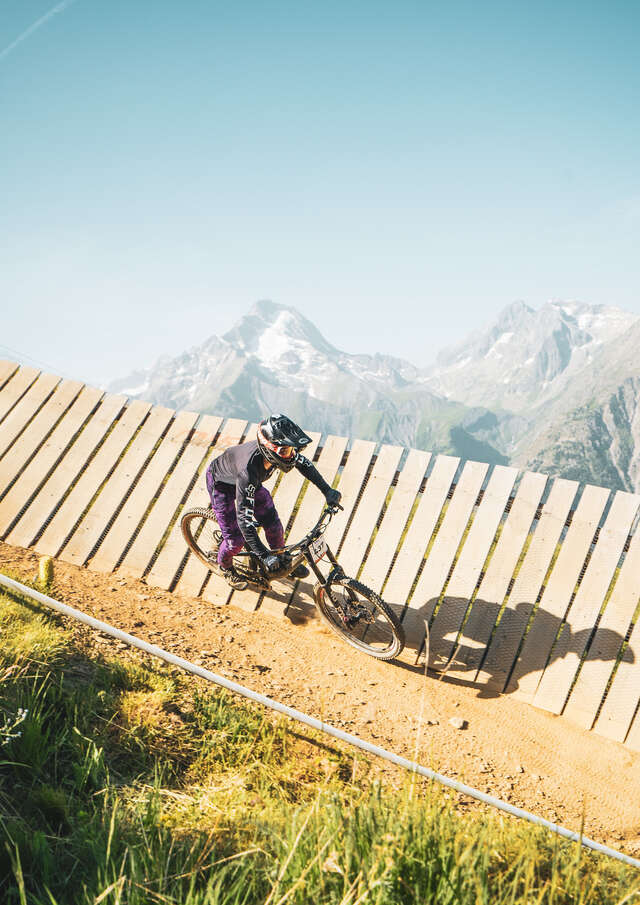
243	466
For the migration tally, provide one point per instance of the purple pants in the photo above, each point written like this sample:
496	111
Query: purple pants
223	500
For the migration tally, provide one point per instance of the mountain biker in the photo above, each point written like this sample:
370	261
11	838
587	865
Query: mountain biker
242	504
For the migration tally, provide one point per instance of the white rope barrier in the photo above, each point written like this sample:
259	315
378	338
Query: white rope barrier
313	722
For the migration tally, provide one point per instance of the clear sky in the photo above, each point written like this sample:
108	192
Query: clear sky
398	171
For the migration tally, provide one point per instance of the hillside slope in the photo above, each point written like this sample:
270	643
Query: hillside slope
594	429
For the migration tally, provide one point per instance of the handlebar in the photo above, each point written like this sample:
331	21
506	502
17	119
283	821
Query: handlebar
320	526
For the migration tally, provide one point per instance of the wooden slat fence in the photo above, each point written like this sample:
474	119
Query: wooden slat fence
527	584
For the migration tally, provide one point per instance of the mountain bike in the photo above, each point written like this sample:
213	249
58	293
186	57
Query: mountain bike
354	612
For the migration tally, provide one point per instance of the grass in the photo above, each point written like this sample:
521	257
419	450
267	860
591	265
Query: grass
129	783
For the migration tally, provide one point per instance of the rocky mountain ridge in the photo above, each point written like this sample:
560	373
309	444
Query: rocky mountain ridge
592	432
275	359
528	356
554	389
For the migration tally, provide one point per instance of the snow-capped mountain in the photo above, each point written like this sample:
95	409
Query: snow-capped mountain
563	382
275	359
556	389
527	357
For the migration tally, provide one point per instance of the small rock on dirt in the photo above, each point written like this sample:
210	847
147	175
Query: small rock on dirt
457	722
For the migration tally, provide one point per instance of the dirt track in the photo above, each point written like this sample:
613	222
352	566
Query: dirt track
529	757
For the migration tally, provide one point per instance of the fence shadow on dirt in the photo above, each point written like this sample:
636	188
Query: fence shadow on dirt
491	658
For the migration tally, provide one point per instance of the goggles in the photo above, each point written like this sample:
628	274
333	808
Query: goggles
285	452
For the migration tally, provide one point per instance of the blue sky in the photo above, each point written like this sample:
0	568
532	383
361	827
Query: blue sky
398	171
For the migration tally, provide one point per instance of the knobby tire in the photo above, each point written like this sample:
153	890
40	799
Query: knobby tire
189	523
377	605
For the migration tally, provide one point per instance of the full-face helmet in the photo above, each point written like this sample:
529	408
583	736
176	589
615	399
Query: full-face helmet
280	440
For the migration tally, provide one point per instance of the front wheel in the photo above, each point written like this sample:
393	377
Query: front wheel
360	617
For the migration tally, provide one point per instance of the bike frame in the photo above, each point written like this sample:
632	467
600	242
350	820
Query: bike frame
264	579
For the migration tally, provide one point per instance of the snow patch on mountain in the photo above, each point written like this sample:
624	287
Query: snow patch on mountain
278	346
135	391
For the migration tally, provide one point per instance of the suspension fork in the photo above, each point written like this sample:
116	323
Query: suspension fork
314	567
335	571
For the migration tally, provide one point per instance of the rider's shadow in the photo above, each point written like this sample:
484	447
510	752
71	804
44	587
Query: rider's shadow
468	654
300	608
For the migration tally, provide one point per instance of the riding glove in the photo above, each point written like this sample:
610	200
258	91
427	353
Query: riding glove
332	497
271	562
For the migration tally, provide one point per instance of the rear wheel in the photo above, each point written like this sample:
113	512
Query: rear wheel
200	531
360	617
